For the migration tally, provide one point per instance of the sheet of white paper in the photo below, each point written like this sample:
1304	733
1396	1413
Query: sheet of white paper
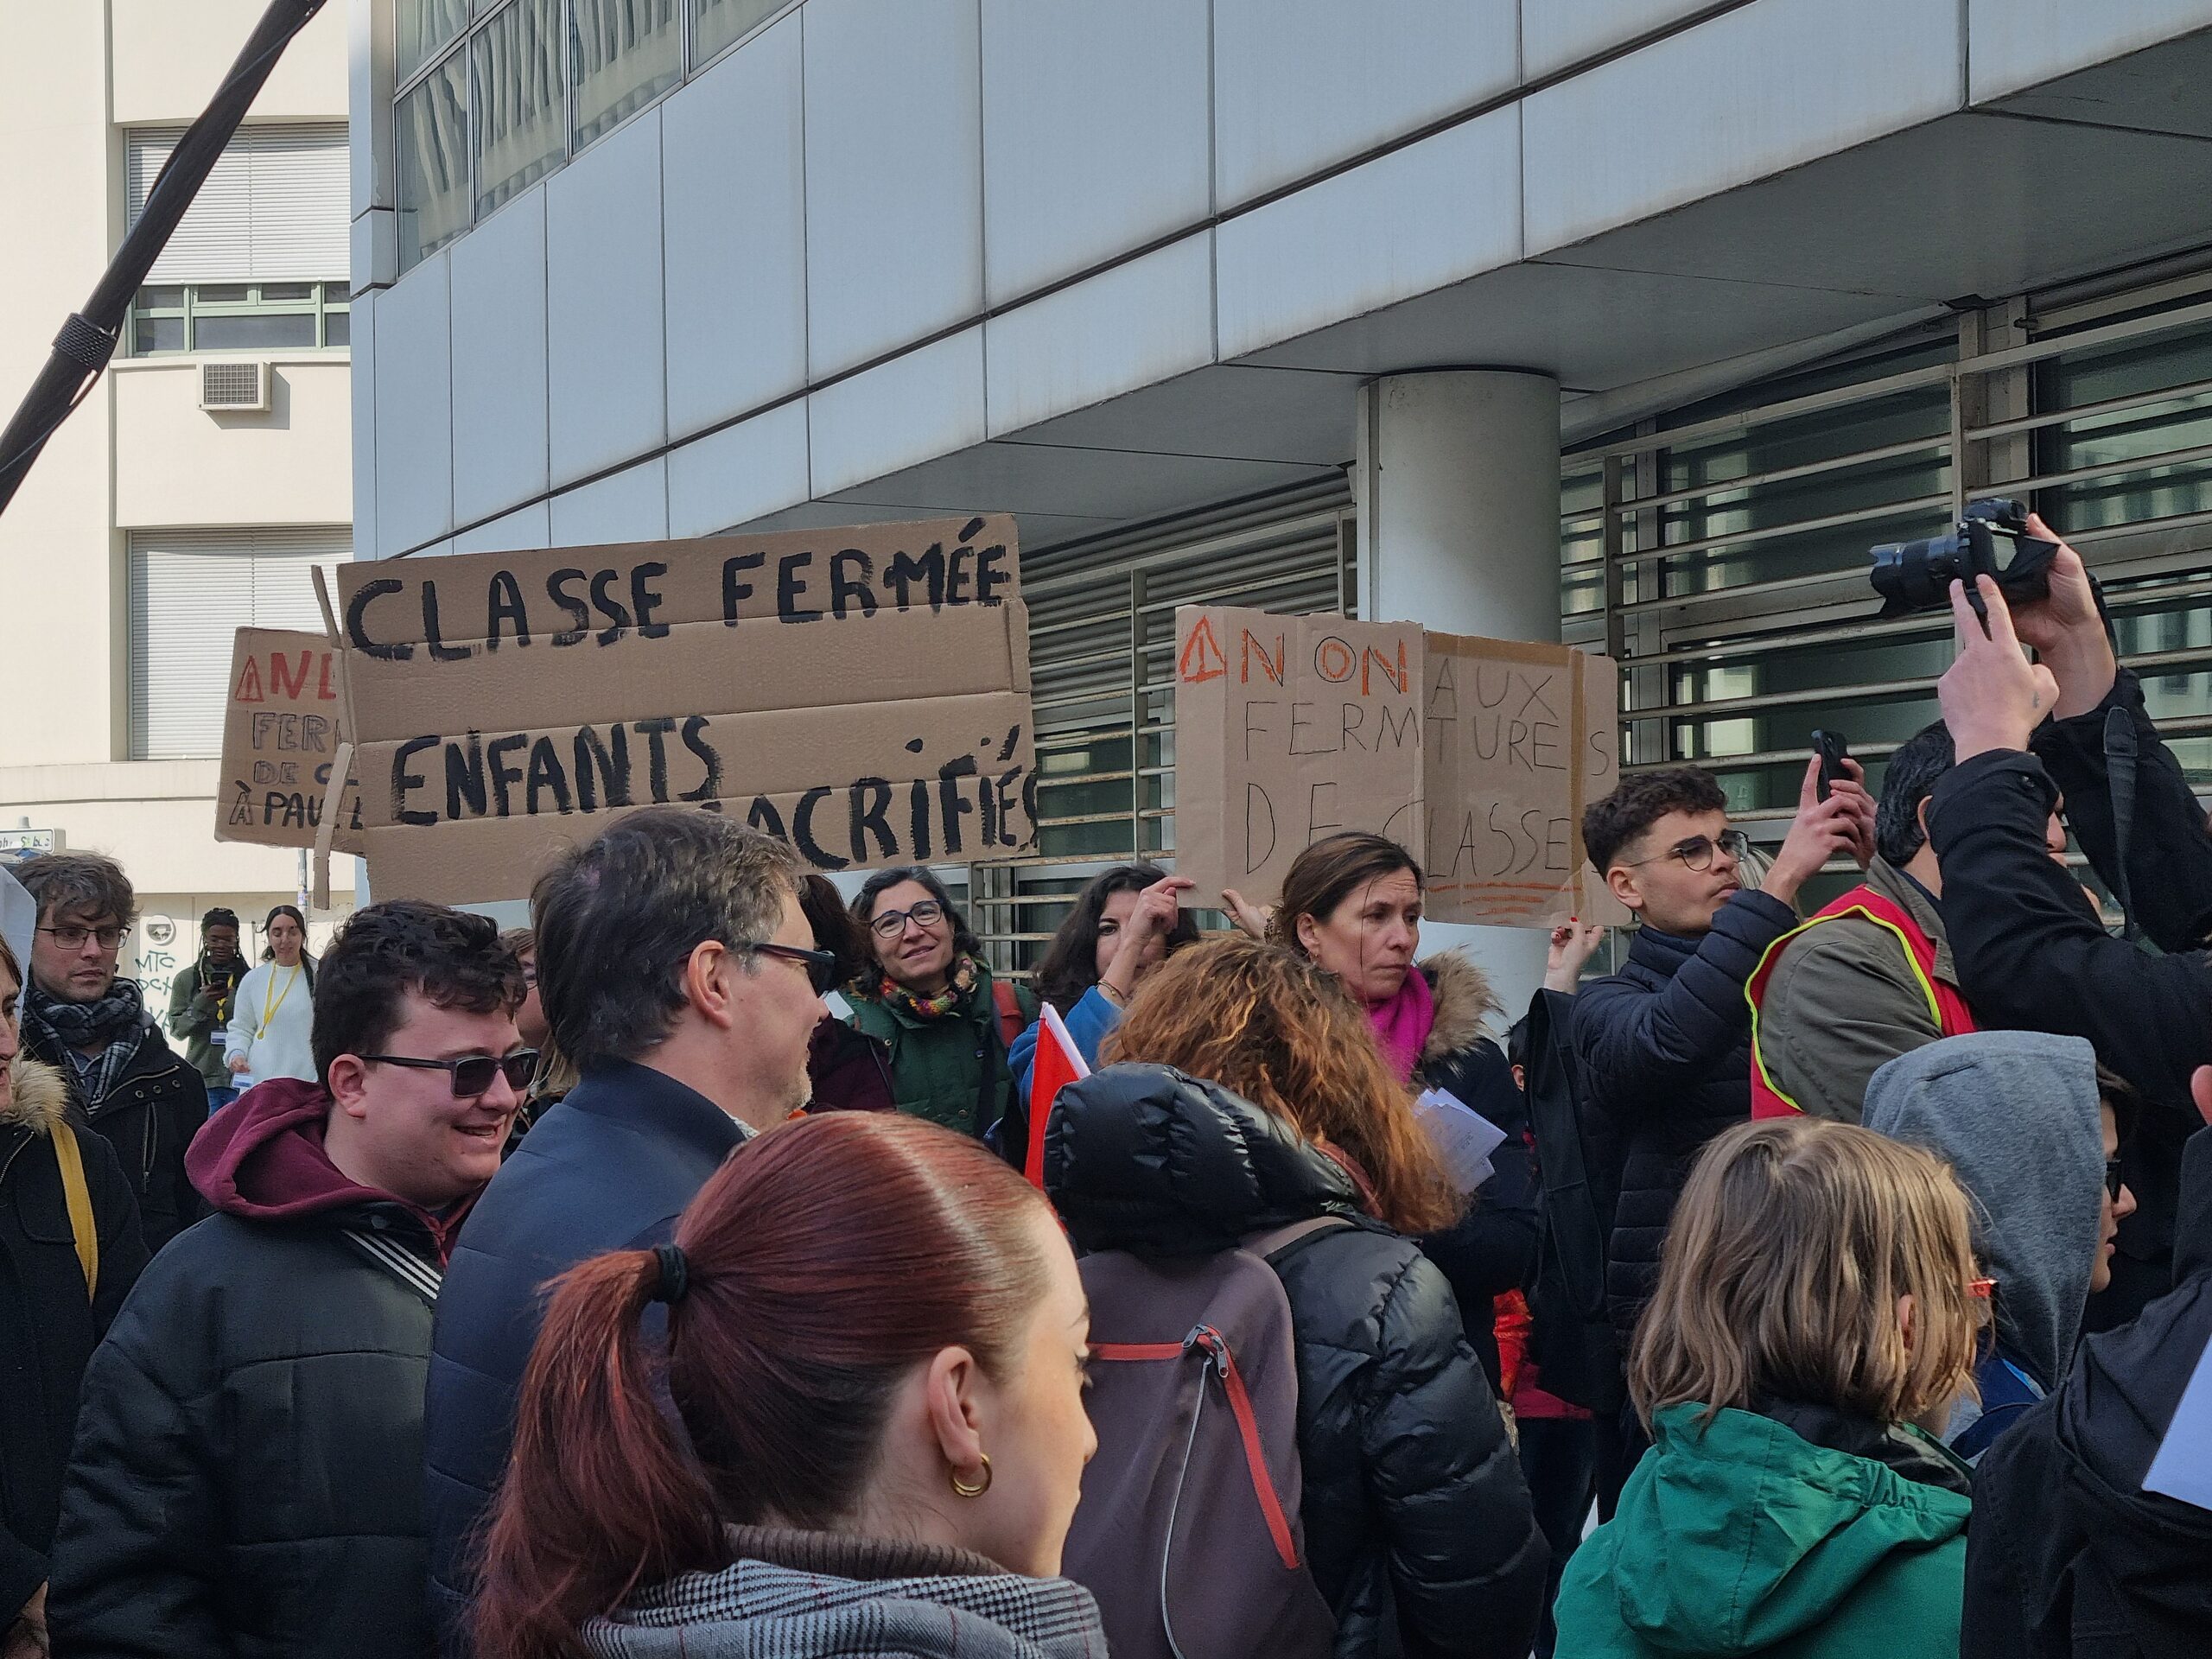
1463	1134
2183	1468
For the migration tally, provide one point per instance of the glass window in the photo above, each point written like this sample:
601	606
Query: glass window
433	194
518	107
252	331
288	291
337	327
222	293
720	22
422	28
157	335
622	55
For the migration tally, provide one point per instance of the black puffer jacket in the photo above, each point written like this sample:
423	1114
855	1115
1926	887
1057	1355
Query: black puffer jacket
1492	1249
1666	1050
1417	1521
49	1326
247	1479
148	1117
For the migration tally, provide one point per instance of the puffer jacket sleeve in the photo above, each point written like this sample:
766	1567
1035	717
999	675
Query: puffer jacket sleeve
115	1216
1640	1049
136	1570
1466	1562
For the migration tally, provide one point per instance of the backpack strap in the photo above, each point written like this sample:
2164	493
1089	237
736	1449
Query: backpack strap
1274	1244
79	1197
1011	1023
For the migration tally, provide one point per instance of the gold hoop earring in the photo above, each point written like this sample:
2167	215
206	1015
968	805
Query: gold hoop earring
961	1488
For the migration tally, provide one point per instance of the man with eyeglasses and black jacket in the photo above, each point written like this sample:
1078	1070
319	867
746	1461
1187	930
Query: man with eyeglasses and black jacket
1665	1043
94	1027
247	1476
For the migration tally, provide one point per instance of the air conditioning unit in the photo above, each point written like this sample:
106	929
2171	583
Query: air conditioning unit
234	387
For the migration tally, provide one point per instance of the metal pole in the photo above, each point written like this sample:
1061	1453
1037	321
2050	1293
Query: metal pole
89	337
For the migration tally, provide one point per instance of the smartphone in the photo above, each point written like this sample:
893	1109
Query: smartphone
1833	748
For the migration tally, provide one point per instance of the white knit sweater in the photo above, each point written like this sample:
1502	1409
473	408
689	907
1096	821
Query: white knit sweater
286	1048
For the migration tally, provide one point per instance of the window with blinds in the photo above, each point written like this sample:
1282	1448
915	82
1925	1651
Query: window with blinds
273	209
189	590
1102	646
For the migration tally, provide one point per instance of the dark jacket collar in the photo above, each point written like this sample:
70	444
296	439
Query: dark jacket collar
625	1091
1905	1451
1145	1160
1663	954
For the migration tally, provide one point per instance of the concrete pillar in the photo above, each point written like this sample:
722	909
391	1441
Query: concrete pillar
1457	489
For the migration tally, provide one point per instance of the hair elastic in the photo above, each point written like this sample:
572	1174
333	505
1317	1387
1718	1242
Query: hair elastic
675	1275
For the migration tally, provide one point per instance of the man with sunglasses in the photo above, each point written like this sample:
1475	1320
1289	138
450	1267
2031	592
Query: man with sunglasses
677	970
1665	1043
92	1026
247	1476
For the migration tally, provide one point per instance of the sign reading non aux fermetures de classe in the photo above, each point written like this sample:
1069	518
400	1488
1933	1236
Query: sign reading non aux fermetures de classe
862	694
1477	756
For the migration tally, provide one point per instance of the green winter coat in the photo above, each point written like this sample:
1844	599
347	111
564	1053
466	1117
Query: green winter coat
1746	1538
938	1066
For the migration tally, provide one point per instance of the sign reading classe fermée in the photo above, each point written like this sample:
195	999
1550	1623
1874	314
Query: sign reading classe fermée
859	693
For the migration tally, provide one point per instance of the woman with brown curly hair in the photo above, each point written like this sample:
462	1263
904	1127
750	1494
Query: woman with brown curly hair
1245	1093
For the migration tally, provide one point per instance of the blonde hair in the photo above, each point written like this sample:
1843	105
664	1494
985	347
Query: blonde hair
1783	1267
1270	1026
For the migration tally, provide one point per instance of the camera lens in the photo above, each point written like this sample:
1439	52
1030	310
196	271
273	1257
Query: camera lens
1916	575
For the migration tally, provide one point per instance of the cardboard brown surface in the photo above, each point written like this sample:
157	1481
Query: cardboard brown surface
1289	729
510	704
1518	739
282	728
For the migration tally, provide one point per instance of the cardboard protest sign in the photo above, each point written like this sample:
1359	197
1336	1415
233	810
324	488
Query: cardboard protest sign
862	694
281	733
1289	729
1519	738
1476	755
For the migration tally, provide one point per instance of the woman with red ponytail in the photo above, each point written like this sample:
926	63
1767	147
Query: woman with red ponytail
874	1343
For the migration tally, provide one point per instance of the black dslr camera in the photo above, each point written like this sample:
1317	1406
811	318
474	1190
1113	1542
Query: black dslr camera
1991	540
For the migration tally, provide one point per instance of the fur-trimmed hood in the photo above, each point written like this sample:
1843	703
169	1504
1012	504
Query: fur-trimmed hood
38	1097
1464	1003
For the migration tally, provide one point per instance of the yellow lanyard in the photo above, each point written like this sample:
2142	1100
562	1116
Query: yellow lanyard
269	1008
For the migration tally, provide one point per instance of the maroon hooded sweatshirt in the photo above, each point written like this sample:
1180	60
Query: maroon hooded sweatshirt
262	1159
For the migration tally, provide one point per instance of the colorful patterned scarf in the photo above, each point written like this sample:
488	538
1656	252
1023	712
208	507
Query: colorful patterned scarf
945	1005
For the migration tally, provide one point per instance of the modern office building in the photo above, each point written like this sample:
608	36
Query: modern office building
1629	322
205	471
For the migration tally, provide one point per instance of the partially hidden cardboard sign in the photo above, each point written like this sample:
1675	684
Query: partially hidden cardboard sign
1518	739
281	731
859	693
1289	729
1477	756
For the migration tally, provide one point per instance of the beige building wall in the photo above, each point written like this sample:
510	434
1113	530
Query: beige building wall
139	453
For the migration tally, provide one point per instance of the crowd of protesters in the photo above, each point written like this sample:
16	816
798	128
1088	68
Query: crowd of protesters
663	1279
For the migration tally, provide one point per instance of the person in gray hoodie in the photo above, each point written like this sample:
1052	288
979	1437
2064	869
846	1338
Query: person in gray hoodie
2033	1134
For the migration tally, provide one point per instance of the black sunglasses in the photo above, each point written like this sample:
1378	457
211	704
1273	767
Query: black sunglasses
472	1076
2114	1179
821	965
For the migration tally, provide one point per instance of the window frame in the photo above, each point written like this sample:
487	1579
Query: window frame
329	299
481	15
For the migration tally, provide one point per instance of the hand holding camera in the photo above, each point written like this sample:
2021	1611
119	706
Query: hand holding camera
2067	630
1992	697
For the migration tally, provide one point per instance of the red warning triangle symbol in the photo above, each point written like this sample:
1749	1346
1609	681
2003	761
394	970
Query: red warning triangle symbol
1202	659
249	686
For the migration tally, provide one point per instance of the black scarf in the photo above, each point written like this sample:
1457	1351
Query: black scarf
113	1025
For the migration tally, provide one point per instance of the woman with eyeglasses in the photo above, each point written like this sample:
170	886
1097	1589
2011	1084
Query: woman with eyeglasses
1815	1321
930	999
272	1016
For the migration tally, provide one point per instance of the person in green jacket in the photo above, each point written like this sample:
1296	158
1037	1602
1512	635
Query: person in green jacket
931	1001
1817	1304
